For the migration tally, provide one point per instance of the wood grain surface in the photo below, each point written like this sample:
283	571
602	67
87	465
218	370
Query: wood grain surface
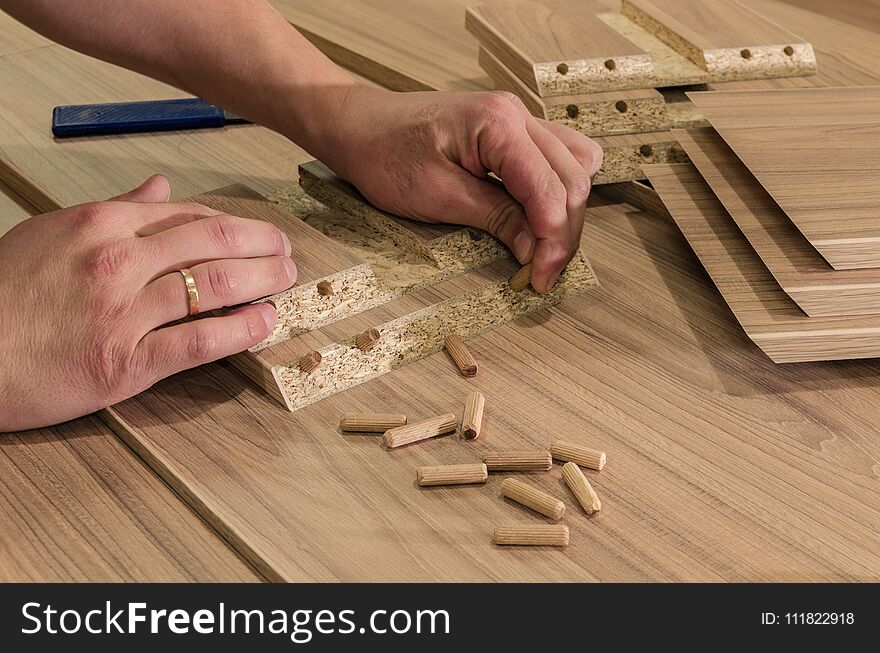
861	13
778	134
10	213
77	505
803	274
769	316
651	368
86	169
15	37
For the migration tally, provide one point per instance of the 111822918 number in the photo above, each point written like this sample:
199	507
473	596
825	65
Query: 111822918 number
819	618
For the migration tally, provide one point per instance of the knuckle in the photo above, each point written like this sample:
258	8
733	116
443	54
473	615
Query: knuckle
202	345
108	364
580	187
226	232
502	214
90	216
223	282
108	259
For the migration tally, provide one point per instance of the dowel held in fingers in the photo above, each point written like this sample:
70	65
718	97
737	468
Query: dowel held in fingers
460	355
452	474
532	497
472	418
518	461
521	279
371	422
428	428
578	454
581	489
532	535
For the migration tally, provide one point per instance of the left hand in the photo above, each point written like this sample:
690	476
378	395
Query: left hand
428	155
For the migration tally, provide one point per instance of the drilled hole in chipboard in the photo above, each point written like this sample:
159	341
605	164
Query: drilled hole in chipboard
610	64
646	150
621	106
562	68
572	111
745	53
788	50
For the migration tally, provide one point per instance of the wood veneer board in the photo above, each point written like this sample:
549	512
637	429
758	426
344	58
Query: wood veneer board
831	198
77	505
15	37
85	169
545	46
10	214
649	367
799	269
726	38
770	317
861	13
417	45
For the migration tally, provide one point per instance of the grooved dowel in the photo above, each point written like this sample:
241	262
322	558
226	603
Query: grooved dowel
533	498
367	340
581	489
472	418
579	454
518	461
452	474
309	363
460	355
521	278
532	534
371	422
423	430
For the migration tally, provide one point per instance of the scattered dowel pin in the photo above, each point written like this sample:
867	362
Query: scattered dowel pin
533	498
472	418
371	422
309	363
518	461
532	535
367	340
452	474
578	454
521	279
460	355
325	288
581	489
428	428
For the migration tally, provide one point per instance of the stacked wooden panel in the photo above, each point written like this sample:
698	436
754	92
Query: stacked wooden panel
781	204
624	73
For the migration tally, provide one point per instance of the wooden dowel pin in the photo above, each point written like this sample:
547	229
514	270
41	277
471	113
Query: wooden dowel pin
325	288
452	474
460	355
578	454
532	535
309	363
472	418
428	428
521	279
581	489
533	498
518	461
371	422
367	340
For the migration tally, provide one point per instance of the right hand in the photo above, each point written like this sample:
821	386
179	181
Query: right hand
87	294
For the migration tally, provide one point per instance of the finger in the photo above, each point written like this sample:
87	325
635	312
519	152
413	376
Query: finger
587	151
551	254
154	189
220	236
220	283
166	351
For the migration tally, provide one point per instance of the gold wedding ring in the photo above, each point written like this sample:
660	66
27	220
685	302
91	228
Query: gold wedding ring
192	291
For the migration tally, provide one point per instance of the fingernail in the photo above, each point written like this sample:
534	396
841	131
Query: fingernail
523	246
287	247
551	281
289	267
269	314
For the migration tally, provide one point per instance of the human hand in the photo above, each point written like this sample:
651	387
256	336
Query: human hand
86	294
428	155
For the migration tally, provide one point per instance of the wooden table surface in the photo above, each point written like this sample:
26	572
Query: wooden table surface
722	466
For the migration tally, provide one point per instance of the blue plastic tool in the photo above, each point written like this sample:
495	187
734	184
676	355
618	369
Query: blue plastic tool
134	117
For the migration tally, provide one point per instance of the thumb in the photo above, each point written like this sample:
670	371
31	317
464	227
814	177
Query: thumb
482	204
153	190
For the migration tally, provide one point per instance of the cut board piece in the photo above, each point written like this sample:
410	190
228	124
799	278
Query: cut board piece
815	151
799	269
726	38
544	46
769	317
625	154
649	367
604	113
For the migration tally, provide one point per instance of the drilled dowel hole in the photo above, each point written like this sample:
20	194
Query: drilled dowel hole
621	106
745	53
646	150
788	50
572	111
610	64
562	68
